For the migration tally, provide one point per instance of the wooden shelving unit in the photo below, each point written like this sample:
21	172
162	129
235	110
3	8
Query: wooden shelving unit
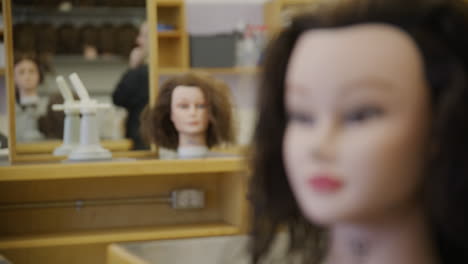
172	45
170	34
57	235
114	169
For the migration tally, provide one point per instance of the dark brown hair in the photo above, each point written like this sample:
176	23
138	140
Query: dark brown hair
51	124
89	35
125	36
156	124
440	29
106	38
68	39
45	38
24	37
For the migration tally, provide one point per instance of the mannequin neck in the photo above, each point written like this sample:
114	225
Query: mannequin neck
192	140
395	238
28	97
27	93
192	146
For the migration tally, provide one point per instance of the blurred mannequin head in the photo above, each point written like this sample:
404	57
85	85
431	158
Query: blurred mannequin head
27	76
351	117
361	116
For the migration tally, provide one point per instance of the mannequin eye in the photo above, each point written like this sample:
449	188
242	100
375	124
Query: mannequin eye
183	106
201	106
363	114
301	118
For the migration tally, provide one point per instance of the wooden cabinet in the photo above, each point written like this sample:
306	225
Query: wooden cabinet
169	16
57	232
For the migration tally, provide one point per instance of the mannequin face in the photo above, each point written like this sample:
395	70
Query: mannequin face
27	77
357	136
189	110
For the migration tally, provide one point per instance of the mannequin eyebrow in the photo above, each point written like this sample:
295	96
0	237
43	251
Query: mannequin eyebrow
368	83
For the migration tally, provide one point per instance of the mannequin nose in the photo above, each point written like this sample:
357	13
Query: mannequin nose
324	142
192	110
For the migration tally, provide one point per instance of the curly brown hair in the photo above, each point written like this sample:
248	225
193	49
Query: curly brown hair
157	127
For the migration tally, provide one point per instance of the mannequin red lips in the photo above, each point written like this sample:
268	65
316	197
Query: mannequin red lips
324	183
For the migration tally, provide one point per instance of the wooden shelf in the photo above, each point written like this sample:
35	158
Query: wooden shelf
48	146
120	235
123	168
94	11
169	34
169	3
296	2
233	70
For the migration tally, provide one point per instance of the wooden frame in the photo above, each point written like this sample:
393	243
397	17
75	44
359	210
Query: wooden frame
9	77
42	151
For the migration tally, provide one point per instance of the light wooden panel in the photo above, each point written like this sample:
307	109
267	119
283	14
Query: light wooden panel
119	235
89	254
56	220
119	255
169	55
48	146
10	85
151	16
234	200
123	168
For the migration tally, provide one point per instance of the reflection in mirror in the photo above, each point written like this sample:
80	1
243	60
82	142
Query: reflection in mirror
193	113
97	40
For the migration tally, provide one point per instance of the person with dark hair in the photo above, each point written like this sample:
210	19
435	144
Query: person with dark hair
126	35
51	123
193	112
360	150
29	107
132	91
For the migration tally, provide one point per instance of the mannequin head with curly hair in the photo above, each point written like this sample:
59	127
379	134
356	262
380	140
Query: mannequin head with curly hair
192	109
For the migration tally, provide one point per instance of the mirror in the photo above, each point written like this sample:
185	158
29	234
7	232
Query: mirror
67	38
92	38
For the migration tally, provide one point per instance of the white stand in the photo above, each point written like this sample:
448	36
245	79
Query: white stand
89	147
192	152
71	135
71	126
